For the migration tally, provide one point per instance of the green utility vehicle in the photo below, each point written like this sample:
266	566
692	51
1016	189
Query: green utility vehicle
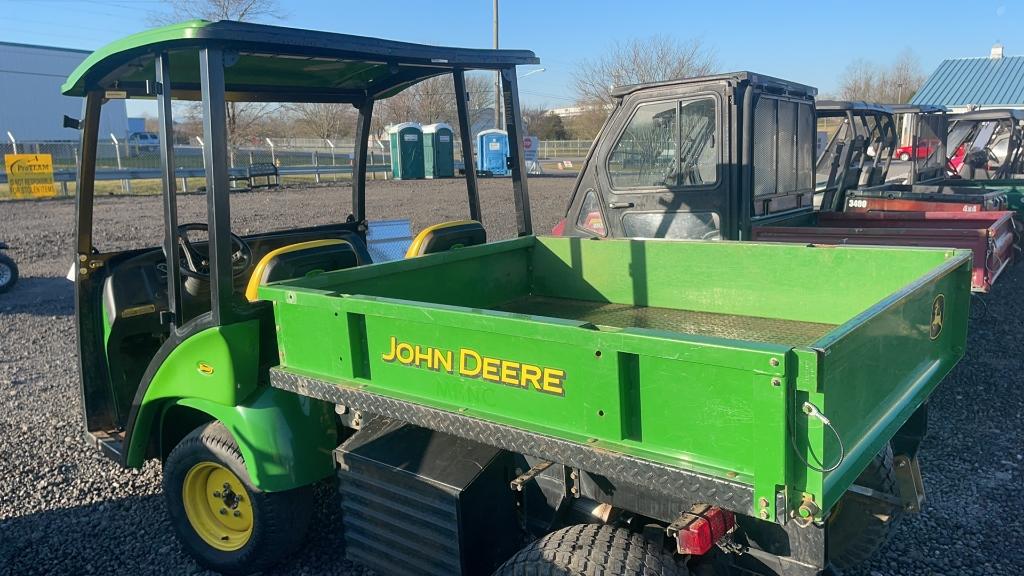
528	406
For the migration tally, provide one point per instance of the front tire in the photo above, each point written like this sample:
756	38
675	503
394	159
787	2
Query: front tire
593	550
904	156
220	518
8	273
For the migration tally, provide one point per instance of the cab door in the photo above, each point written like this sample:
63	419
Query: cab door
661	168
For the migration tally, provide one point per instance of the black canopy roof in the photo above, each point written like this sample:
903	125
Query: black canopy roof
273	63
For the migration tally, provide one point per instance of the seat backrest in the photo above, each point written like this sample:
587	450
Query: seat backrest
303	259
446	236
873	176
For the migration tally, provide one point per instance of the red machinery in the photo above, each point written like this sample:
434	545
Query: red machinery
990	235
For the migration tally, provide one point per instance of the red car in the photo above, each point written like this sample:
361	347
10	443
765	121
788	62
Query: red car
905	152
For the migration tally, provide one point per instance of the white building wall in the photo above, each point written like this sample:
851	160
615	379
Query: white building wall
31	105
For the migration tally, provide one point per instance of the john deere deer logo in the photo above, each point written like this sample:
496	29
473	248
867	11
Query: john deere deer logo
938	308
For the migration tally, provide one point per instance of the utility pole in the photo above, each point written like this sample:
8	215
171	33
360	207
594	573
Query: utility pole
497	76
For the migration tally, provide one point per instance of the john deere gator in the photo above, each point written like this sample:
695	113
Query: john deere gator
529	406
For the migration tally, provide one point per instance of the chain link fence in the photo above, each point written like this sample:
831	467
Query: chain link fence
133	166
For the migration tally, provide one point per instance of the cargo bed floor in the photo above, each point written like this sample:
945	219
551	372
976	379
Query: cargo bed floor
767	330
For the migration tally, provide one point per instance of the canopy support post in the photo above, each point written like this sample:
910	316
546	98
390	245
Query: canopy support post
86	182
166	132
514	127
359	159
215	153
462	104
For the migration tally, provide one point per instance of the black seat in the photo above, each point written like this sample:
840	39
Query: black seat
446	236
304	259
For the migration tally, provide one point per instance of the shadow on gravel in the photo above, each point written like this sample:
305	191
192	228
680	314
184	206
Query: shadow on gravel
130	535
40	297
133	535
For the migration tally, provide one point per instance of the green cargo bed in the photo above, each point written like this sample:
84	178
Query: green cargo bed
681	367
735	326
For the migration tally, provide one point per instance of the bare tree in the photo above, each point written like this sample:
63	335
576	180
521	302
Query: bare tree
240	10
539	122
588	122
432	100
635	61
641	60
896	84
905	76
245	120
324	120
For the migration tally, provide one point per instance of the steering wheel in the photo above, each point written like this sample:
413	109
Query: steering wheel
195	264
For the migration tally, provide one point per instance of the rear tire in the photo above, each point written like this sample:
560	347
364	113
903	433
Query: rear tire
593	550
8	273
904	156
859	527
234	531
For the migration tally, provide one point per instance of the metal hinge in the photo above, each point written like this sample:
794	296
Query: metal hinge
519	481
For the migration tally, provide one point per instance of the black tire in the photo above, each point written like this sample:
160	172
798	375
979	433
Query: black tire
904	156
860	526
279	519
8	273
593	550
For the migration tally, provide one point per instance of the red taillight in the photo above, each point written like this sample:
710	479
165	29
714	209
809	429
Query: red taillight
559	228
699	529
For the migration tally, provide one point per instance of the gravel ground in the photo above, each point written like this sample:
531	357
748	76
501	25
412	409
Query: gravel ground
65	509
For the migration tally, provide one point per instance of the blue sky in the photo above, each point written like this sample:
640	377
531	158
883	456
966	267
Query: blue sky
809	42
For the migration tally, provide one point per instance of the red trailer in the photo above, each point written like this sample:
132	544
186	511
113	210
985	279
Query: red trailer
991	235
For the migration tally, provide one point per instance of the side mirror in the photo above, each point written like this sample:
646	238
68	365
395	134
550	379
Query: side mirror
73	123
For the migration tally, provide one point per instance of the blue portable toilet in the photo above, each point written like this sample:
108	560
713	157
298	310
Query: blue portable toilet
492	152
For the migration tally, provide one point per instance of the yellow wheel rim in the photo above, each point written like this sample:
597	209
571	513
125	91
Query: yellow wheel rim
217	506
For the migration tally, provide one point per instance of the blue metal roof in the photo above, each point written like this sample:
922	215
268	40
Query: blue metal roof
977	81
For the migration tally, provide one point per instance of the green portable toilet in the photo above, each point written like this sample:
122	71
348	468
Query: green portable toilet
406	151
439	150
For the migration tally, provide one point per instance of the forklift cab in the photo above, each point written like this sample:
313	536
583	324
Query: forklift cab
174	336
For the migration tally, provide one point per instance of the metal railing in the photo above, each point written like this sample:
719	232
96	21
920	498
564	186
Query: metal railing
563	149
126	160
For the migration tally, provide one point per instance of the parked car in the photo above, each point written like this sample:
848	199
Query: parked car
143	143
921	151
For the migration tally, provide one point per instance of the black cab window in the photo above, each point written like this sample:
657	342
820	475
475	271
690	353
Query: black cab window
783	147
666	145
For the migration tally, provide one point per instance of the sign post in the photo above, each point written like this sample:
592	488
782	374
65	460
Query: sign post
531	145
30	175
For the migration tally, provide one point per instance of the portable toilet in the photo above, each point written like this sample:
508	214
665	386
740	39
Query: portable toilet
492	152
406	151
439	150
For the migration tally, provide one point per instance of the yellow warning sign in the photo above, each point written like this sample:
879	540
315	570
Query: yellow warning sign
30	175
